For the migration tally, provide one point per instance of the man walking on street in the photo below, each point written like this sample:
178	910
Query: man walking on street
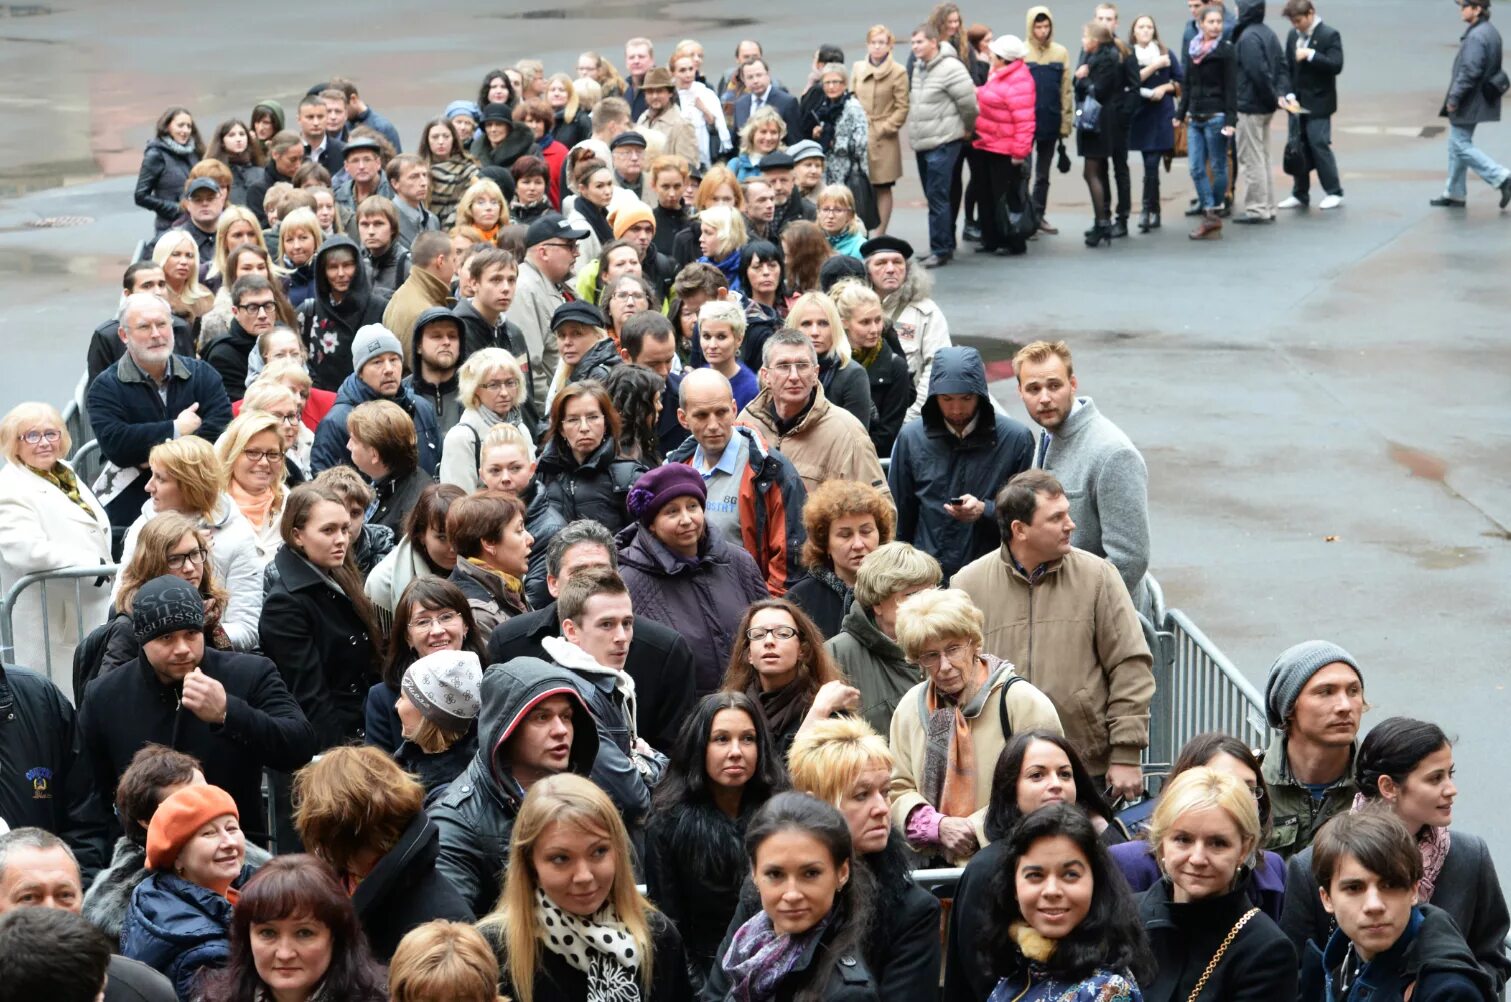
943	114
1474	96
1314	55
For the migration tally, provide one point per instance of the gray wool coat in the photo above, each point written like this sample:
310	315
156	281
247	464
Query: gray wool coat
1108	486
1478	59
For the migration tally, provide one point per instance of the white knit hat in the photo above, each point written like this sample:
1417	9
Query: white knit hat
444	687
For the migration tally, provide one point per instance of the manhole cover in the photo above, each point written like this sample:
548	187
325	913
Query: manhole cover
58	222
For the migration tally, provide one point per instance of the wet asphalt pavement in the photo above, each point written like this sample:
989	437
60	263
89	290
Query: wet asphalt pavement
1324	404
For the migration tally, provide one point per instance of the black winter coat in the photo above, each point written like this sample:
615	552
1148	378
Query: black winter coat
126	708
396	496
257	193
558	981
389	270
824	597
404	890
435	771
1259	966
1211	85
595	488
106	346
243	177
330	327
1430	961
1263	74
228	355
851	981
847	386
313	633
892	393
1104	80
660	662
46	781
160	182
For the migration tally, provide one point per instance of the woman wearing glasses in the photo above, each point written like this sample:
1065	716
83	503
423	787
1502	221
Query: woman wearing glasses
780	662
48	519
251	453
491	388
949	730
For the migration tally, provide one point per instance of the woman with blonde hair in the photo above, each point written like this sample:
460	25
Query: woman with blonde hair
761	134
178	255
836	217
245	259
719	186
892	388
49	519
844	380
721	234
589	92
491	388
483	207
698	103
169	543
187	478
573	123
443	960
570	870
721	333
881	86
268	396
251	454
299	237
237	226
360	812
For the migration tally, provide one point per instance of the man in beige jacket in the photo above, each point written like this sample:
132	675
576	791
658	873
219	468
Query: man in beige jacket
664	117
794	417
1063	617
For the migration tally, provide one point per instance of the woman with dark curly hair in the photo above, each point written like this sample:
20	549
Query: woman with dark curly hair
636	393
845	520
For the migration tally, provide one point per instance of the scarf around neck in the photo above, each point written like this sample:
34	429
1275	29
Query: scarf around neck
1201	47
596	217
182	149
64	480
599	946
255	507
828	113
759	957
949	762
730	267
1147	53
1433	843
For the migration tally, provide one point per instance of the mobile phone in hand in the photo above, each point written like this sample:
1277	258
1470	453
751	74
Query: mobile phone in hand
956	501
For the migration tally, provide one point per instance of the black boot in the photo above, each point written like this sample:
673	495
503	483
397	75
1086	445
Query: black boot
1101	233
1154	220
1145	221
1120	228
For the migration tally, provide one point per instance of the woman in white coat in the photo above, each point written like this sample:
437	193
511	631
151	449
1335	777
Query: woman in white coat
48	520
186	478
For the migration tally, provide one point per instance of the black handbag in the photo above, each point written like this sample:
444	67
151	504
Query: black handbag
1496	86
1064	159
1089	114
1025	222
865	199
1297	158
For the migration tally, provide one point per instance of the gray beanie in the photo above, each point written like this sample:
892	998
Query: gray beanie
1293	669
164	605
372	341
444	687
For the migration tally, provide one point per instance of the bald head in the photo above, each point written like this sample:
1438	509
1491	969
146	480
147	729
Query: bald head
703	383
707	411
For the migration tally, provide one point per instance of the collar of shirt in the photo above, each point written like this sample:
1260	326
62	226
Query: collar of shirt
728	462
970	426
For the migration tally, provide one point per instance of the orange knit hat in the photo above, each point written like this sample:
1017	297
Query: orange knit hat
177	819
633	211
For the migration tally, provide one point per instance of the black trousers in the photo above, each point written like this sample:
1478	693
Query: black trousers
1044	162
1001	183
1118	156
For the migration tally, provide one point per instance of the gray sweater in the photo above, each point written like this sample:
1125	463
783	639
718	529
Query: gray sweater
1108	486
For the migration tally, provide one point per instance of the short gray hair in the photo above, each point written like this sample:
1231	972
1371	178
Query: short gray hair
140	301
31	838
584	530
892	568
786	337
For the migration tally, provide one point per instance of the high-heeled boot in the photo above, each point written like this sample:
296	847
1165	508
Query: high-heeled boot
1100	233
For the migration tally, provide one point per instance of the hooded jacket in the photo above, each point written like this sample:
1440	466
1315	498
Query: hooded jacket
389	269
827	443
330	438
475	816
129	707
1263	78
695	597
228	356
404	890
444	397
109	897
595	488
1007	121
1430	959
329	327
178	928
1054	105
770	508
931	465
874	664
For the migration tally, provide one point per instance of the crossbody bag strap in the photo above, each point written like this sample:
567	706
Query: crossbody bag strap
1222	948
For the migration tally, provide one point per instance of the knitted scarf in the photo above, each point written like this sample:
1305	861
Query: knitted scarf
949	758
1201	47
63	479
1432	842
182	149
866	356
513	590
595	216
600	947
730	267
759	957
256	507
827	115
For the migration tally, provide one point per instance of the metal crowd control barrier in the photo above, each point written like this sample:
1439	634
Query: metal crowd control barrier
79	576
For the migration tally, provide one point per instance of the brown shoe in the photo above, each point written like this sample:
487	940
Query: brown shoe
1044	227
1210	227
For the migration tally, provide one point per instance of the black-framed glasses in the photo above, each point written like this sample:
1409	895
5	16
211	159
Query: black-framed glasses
258	456
756	634
176	561
259	308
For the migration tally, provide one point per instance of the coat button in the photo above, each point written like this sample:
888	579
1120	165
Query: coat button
466	789
847	960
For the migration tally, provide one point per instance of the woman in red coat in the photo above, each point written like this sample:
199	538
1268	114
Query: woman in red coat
1005	135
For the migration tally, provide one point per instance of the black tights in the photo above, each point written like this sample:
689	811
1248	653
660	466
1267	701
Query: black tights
1094	170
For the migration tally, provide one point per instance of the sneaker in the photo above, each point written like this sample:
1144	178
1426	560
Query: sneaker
1292	202
1445	202
1330	202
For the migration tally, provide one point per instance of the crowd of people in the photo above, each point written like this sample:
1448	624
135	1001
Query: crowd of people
573	561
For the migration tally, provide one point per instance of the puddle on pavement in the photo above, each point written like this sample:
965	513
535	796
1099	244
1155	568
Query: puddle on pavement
1417	462
1439	558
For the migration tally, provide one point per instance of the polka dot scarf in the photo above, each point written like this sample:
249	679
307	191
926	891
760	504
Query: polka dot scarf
600	947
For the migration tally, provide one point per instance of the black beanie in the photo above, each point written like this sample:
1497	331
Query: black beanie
164	605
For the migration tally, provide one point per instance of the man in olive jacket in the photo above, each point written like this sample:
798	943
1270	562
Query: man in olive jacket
1063	617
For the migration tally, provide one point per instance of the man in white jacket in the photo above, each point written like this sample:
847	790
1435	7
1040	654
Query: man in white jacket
941	117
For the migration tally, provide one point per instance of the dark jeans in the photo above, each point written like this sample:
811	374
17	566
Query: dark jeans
1044	162
1319	142
1001	192
1119	160
1152	160
936	168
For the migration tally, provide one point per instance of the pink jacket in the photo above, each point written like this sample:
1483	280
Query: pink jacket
1006	122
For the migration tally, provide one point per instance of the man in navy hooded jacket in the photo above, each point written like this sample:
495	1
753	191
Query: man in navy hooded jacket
958	450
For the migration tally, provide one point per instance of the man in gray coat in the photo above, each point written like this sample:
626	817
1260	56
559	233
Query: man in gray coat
1474	96
1102	472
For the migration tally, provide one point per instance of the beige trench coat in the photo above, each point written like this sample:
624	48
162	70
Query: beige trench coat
883	92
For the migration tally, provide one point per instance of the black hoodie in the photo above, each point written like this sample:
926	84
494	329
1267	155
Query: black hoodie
229	355
476	814
443	396
330	328
1263	78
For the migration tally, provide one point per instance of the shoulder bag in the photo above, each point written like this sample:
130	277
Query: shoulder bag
1222	948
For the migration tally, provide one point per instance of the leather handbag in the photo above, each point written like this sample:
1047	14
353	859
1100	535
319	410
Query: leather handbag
1495	86
1089	114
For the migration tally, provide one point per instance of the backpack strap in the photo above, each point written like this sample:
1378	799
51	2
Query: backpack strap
1013	678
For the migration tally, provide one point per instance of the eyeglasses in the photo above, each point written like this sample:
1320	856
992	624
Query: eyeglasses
585	420
756	634
258	456
929	660
176	561
259	308
833	210
292	418
501	384
796	368
426	623
51	436
630	296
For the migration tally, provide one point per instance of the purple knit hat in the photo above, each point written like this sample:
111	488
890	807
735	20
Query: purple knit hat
657	487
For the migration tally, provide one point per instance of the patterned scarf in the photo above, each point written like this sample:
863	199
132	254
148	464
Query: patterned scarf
1433	843
949	758
1201	47
866	356
600	947
759	957
63	479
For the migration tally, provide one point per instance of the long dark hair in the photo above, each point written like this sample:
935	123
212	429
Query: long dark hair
1203	748
634	389
1002	812
792	811
1111	935
815	665
686	776
288	887
160	131
434	594
254	153
482	91
296	512
429	512
1394	747
456	141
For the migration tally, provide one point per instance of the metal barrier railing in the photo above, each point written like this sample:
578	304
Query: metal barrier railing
76	415
87	461
1204	691
79	576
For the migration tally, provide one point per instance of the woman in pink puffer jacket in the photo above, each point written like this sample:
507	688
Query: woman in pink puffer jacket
1005	133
